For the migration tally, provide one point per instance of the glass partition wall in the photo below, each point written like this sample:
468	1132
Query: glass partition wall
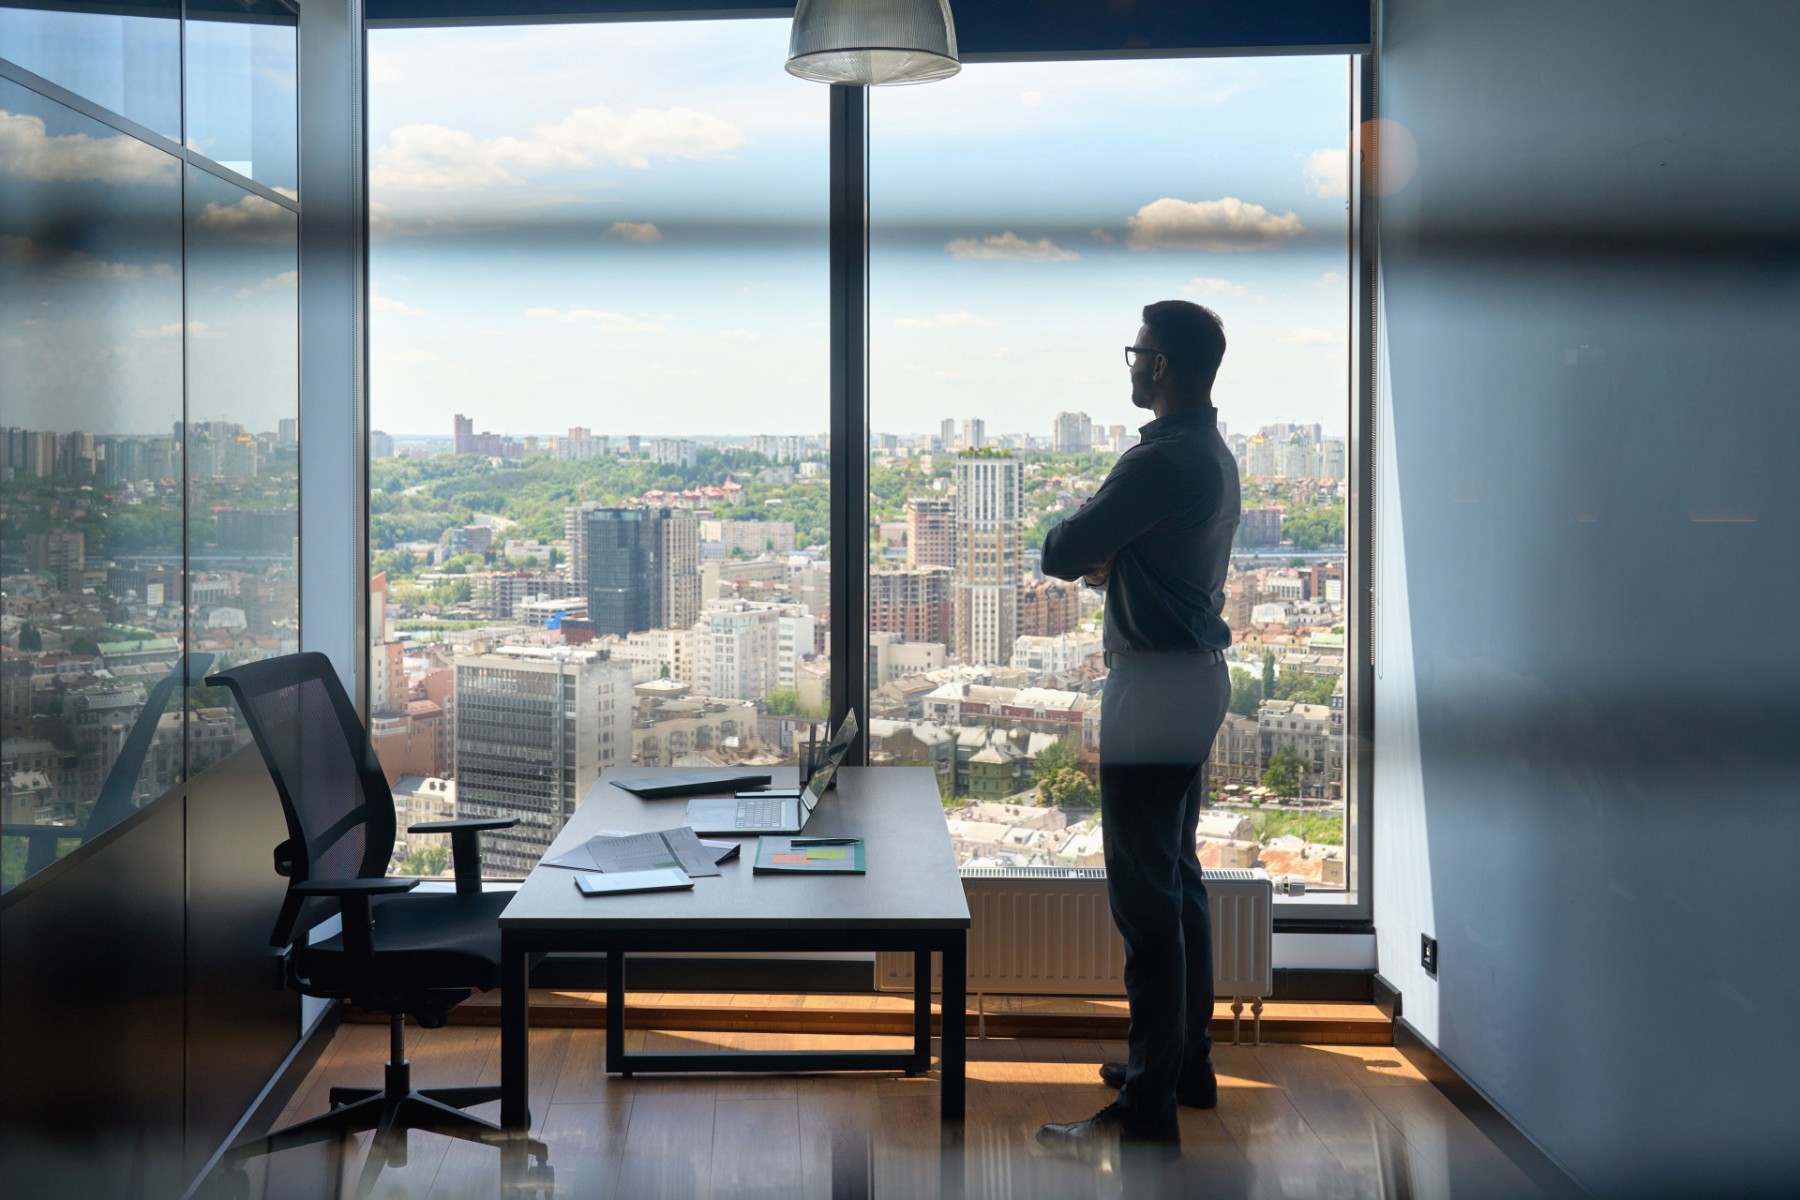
148	409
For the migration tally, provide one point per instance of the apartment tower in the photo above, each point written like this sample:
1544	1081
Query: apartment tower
990	543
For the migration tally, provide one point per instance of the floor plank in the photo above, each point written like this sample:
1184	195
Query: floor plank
1292	1120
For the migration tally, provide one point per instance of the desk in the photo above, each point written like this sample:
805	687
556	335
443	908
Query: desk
910	899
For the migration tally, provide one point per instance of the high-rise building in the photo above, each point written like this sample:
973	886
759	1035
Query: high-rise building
534	729
1259	527
930	531
642	567
1048	607
463	442
62	553
737	650
1298	458
381	445
1073	433
990	542
1334	459
947	434
974	433
914	603
674	452
1262	457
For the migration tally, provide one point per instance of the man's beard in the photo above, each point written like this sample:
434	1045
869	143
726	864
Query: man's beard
1140	393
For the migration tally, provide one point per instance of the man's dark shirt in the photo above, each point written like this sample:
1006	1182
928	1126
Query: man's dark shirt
1165	517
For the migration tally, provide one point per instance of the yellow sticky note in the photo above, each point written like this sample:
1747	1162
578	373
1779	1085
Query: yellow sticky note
827	852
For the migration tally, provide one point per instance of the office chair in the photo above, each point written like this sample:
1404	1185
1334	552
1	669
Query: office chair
114	802
399	954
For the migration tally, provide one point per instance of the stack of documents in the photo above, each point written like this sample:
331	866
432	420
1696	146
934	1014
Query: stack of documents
613	853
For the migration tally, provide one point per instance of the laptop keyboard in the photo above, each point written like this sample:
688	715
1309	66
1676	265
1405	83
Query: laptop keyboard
757	814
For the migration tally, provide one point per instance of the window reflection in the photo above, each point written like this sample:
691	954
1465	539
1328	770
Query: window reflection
241	96
243	436
124	55
90	468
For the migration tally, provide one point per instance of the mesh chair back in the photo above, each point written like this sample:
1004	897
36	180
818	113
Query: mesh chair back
340	812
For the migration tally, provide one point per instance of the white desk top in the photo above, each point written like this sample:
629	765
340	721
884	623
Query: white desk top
912	880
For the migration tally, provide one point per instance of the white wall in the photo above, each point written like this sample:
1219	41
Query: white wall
1585	761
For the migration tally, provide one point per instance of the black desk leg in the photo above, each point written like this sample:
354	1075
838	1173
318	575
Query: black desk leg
615	1012
954	1027
515	1036
921	1012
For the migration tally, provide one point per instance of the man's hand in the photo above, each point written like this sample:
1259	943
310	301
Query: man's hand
1097	579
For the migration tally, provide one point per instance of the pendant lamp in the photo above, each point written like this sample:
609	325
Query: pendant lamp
870	43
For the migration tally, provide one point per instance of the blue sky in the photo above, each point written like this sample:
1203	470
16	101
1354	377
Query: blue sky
623	226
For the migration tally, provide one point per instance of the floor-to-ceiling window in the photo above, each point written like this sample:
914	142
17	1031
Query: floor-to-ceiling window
599	492
1022	215
149	398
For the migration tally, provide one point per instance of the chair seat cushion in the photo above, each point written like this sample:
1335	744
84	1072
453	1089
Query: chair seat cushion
423	942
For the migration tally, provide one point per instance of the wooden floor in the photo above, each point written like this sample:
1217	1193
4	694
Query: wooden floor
1292	1120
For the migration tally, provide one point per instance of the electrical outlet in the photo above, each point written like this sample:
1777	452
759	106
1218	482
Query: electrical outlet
1428	954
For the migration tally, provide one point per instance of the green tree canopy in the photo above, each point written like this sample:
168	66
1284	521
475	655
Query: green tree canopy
1245	695
1282	776
30	640
1063	754
1067	787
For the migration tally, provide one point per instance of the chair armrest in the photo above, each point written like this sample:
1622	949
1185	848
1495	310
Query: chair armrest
354	887
465	845
353	896
474	823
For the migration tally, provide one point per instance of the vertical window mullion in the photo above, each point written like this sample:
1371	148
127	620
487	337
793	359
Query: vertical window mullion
850	406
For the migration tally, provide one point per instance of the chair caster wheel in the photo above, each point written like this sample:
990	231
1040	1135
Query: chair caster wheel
539	1180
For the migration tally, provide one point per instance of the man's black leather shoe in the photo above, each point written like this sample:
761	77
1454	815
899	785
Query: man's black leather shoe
1111	1125
1197	1093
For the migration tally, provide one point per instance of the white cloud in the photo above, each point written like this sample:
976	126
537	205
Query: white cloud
424	158
1330	279
944	321
274	283
382	68
641	232
73	264
604	322
1031	99
1328	173
249	219
739	335
1222	226
1009	247
1312	335
198	330
1206	285
392	307
28	151
1103	237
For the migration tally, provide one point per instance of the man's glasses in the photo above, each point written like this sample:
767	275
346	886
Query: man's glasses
1132	352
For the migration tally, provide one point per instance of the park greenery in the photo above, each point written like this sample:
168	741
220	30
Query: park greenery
1287	766
415	500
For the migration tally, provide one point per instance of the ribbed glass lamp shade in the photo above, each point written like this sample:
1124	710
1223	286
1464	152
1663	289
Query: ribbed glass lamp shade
873	42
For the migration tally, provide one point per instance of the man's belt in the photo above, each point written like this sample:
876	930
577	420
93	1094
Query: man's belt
1196	657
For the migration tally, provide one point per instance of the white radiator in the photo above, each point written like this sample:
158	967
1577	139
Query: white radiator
1049	931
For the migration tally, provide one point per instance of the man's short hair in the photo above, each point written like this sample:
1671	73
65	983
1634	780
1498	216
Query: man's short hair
1192	337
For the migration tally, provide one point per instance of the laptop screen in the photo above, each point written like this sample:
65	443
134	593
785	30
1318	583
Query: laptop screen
834	758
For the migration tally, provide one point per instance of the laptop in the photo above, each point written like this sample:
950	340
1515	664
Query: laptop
776	813
700	783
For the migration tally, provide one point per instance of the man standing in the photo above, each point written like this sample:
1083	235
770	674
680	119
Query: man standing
1157	537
